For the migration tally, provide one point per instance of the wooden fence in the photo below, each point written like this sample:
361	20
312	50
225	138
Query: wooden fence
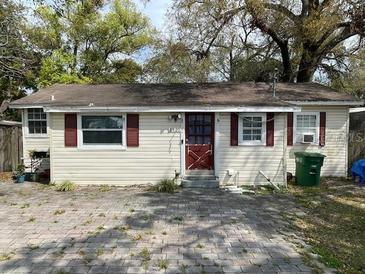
11	146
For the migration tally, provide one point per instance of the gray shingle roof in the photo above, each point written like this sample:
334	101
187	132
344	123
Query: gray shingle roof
199	94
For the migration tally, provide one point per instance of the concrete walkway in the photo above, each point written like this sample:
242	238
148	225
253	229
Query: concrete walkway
115	230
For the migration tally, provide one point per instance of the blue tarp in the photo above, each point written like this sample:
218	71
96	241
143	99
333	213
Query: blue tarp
358	169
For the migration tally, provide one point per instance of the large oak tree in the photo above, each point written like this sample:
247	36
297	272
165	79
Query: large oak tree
305	32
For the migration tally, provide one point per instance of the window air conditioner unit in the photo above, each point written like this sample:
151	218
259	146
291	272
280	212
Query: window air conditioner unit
308	138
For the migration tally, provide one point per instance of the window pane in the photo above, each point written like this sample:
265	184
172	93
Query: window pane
102	137
199	140
37	121
207	130
199	130
306	124
252	128
192	139
31	127
207	119
102	122
207	140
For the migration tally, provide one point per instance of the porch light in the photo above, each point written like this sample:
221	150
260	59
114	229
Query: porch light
175	117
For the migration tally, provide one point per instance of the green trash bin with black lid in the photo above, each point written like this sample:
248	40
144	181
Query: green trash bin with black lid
308	168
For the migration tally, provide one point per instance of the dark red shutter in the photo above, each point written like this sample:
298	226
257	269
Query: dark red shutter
290	129
322	129
70	130
270	129
234	129
133	130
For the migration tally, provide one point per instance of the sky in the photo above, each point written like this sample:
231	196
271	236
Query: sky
155	10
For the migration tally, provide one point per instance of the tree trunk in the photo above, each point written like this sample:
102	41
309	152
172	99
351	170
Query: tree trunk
285	56
307	66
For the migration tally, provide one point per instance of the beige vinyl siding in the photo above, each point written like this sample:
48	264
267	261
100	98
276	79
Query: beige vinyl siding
335	164
157	157
34	143
249	160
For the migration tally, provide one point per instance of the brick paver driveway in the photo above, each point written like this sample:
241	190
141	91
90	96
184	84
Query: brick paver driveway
101	230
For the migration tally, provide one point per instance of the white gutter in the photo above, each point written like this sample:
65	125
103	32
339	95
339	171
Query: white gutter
173	109
327	103
355	110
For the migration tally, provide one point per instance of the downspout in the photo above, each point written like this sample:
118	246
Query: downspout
182	144
285	147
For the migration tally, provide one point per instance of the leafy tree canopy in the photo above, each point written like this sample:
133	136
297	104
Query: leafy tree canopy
85	43
305	33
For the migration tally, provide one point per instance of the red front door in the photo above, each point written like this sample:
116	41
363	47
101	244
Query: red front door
199	131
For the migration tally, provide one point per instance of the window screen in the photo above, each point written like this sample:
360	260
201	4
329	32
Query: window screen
102	130
37	121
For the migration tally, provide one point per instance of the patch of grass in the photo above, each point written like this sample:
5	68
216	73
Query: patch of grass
166	186
178	218
33	247
145	254
87	222
99	252
184	269
100	227
122	228
59	211
6	256
162	264
31	220
62	272
25	206
104	188
137	237
66	186
334	223
327	257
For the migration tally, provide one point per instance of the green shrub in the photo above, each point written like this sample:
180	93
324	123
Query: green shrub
166	185
66	186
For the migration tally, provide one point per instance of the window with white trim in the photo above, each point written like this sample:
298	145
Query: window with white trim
306	125
37	121
252	129
98	130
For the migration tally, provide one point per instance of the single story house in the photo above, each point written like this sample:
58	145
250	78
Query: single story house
141	133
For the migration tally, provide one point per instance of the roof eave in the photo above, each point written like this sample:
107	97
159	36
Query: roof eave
174	109
327	103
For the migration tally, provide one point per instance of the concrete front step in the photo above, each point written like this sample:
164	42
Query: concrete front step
199	172
199	177
200	183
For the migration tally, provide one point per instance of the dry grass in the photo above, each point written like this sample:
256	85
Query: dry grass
6	177
335	223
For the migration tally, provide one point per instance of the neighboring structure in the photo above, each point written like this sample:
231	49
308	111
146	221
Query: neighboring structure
11	147
141	133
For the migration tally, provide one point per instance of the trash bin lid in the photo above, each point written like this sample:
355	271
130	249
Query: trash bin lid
309	154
